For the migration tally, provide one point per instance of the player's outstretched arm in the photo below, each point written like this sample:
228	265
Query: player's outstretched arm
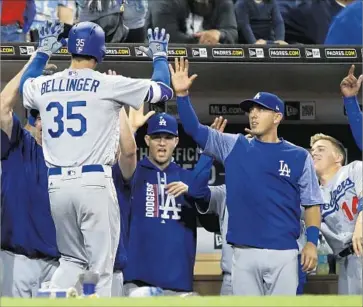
350	87
157	50
213	142
134	92
48	44
128	148
8	98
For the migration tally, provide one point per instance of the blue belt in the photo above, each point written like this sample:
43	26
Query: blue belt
85	169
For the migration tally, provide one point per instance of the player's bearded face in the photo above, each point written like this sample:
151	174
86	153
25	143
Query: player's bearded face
261	120
161	147
324	155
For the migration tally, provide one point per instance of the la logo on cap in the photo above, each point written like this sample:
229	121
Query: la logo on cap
258	95
162	121
277	108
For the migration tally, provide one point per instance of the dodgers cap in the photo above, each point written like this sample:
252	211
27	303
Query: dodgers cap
267	100
162	123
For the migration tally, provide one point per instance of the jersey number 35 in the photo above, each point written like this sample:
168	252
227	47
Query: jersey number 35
59	118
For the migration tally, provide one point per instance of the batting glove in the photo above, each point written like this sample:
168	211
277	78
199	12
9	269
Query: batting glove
48	38
158	43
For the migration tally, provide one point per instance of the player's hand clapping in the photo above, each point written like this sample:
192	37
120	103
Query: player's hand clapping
48	38
158	43
309	257
350	85
180	77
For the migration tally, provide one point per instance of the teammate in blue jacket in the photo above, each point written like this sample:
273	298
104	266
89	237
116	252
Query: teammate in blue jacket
267	179
126	155
350	87
29	252
162	232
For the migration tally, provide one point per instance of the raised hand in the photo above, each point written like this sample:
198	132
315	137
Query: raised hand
48	38
219	124
350	85
158	43
137	118
180	77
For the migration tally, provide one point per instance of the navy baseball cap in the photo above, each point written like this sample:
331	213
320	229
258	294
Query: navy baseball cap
32	117
162	123
267	100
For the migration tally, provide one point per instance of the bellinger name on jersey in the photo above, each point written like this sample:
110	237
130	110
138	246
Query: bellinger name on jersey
70	85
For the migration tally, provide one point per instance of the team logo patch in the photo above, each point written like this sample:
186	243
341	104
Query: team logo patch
160	205
284	169
162	121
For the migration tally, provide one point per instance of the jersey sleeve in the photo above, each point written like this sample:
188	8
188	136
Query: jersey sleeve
28	94
217	203
355	172
130	91
198	178
310	193
220	145
16	134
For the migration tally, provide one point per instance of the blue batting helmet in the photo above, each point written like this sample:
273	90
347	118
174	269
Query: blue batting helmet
87	38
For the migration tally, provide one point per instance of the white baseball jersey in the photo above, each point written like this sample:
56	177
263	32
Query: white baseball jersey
79	110
339	211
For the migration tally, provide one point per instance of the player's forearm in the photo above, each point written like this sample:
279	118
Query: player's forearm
190	121
160	90
10	91
200	175
312	216
312	222
128	148
35	69
161	70
355	118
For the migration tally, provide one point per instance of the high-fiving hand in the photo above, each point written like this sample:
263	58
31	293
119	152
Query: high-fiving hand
180	77
48	38
137	118
158	43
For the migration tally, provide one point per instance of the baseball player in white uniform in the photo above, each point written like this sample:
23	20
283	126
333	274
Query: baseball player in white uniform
79	108
341	186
